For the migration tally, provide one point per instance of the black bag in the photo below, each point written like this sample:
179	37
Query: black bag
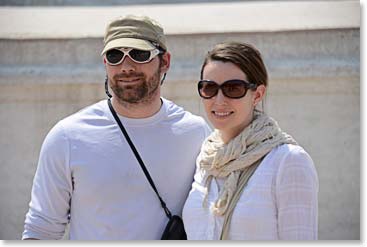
175	228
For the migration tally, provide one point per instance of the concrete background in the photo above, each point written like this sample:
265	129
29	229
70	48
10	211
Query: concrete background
50	67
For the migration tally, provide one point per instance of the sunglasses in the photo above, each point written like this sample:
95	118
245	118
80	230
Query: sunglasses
233	89
116	56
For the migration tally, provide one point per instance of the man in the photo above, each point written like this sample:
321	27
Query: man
87	174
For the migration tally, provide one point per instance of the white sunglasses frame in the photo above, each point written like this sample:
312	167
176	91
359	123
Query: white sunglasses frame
126	51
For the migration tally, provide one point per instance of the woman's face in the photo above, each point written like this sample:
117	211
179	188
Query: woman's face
229	116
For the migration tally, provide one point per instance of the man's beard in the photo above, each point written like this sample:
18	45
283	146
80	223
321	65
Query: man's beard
141	92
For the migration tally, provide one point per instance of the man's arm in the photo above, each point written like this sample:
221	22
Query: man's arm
51	192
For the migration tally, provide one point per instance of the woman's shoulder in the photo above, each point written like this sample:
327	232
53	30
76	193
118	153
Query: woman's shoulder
290	153
293	159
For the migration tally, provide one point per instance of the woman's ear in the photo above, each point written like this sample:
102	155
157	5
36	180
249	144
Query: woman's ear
259	94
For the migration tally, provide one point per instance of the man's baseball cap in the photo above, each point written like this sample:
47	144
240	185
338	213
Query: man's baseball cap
140	32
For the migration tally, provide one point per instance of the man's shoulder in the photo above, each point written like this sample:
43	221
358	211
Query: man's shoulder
92	111
186	120
77	126
89	115
178	112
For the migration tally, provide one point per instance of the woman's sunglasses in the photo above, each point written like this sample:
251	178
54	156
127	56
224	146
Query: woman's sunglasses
233	89
116	56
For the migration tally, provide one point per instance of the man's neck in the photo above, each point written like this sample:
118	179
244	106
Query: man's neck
137	110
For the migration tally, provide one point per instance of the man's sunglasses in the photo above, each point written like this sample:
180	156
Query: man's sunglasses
116	56
233	89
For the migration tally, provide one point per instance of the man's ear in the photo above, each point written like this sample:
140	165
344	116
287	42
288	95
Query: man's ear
165	62
104	60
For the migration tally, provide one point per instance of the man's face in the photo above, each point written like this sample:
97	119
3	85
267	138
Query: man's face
135	83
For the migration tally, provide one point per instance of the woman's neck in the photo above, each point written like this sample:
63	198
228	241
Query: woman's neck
228	134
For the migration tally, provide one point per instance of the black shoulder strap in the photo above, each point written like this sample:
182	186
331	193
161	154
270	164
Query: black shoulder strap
123	130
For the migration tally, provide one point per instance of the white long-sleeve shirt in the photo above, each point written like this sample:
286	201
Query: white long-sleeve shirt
87	170
280	201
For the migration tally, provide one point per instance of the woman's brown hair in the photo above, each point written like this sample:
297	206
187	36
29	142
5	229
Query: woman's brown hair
245	56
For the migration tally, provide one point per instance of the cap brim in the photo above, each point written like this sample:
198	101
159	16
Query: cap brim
140	44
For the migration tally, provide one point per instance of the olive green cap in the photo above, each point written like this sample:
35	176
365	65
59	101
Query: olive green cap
140	32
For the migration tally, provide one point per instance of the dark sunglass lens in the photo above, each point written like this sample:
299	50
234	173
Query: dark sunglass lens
114	56
208	89
234	89
139	55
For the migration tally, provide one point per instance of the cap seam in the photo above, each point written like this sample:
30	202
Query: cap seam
135	37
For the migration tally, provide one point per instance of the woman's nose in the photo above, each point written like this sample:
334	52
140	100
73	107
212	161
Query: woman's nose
220	98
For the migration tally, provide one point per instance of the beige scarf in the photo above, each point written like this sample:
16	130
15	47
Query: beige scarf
222	160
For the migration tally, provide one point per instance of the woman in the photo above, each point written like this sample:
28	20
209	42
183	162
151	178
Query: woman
253	181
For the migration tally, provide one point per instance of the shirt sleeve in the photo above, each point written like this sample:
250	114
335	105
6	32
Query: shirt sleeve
49	208
297	197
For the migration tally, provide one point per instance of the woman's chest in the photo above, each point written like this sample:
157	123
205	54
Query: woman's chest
254	216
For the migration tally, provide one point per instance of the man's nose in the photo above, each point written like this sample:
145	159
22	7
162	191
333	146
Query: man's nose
127	65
